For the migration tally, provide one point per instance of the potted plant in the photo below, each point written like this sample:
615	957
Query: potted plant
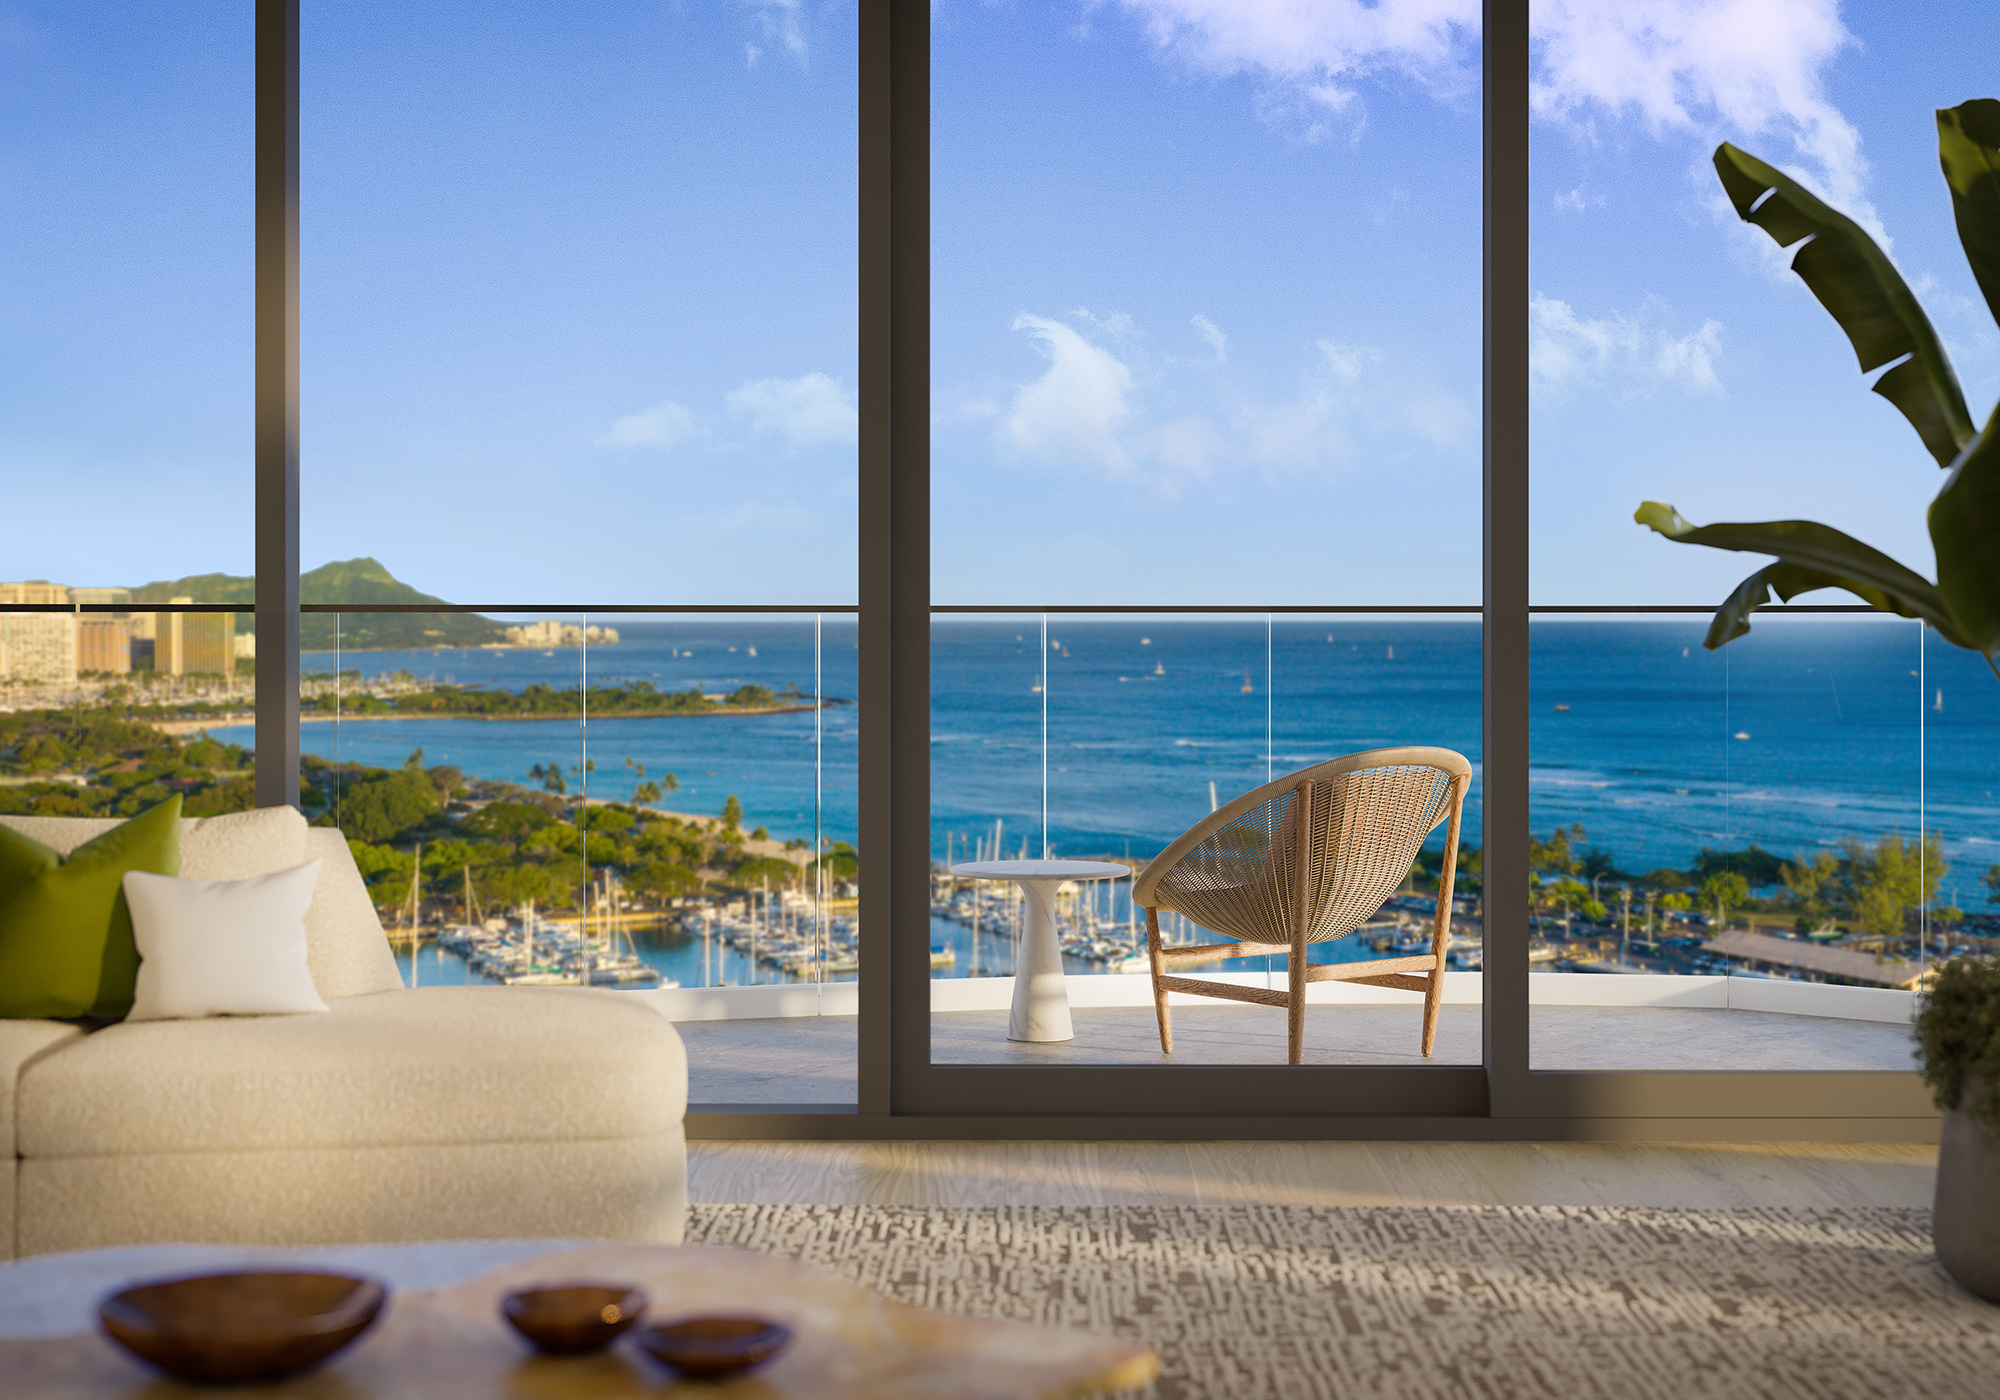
1958	1039
1861	288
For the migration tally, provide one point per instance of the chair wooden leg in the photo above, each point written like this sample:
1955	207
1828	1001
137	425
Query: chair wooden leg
1295	1009
1295	964
1441	925
1159	993
1432	996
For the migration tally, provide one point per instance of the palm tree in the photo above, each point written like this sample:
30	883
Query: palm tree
1858	285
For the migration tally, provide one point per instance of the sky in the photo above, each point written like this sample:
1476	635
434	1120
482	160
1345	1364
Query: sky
579	320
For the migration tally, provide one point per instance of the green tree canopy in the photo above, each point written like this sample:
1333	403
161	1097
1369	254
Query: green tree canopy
387	803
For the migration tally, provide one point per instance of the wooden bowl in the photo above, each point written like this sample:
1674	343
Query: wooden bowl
567	1318
241	1326
712	1348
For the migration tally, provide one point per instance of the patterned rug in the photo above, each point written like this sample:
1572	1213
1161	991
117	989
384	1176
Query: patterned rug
1493	1303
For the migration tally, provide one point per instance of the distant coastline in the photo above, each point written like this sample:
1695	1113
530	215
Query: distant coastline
241	718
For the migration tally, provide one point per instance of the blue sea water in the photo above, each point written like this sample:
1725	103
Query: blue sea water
1809	731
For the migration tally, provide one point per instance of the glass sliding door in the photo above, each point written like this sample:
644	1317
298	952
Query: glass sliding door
1203	341
1742	855
579	406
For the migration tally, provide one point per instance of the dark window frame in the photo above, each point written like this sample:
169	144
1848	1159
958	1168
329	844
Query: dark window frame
901	1094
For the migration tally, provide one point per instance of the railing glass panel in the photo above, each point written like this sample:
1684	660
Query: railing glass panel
113	742
1151	721
659	803
1757	814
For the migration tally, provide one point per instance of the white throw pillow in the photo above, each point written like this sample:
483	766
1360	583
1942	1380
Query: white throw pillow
222	947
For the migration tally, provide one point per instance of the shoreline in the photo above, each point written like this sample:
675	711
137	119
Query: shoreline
248	718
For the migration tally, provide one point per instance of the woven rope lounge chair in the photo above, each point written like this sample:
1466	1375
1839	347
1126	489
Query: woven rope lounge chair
1308	859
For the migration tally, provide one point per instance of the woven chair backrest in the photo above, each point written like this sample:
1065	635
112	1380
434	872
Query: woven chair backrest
1236	871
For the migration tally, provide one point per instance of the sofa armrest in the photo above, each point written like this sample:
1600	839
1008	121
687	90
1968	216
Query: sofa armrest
345	946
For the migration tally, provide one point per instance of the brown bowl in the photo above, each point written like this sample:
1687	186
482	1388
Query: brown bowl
241	1326
712	1348
567	1318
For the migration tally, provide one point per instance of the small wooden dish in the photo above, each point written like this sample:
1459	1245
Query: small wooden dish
569	1318
223	1328
714	1348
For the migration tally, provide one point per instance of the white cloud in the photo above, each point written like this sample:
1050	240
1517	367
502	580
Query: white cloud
1173	421
1075	411
780	22
1718	69
1633	355
663	427
1317	42
1713	69
810	411
1217	341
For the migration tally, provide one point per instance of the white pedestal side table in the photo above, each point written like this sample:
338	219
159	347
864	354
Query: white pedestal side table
1041	1002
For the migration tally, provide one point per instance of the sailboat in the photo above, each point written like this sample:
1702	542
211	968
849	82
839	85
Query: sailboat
1159	668
1938	704
1246	683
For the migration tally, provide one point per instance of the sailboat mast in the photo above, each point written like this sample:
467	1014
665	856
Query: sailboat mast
416	901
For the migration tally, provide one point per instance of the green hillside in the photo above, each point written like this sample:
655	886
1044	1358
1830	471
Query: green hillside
352	581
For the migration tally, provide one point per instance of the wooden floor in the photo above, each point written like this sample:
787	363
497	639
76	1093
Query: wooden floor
1209	1174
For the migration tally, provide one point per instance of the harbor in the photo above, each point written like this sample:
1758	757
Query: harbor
784	936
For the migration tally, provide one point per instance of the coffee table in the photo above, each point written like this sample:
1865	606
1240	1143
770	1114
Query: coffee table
1041	1001
441	1336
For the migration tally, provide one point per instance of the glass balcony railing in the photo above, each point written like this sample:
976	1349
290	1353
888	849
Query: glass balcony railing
1811	807
106	712
1105	737
641	801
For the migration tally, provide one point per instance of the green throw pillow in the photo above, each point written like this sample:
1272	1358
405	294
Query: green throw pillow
66	946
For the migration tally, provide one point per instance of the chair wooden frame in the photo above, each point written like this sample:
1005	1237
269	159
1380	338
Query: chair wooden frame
1423	974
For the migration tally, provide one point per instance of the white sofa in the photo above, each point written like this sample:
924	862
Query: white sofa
435	1113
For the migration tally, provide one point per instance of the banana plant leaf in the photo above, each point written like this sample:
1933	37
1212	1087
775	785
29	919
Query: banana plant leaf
1861	289
1965	532
1967	137
1809	556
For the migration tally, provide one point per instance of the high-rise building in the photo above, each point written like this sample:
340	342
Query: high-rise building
101	597
207	644
38	647
103	645
35	592
194	644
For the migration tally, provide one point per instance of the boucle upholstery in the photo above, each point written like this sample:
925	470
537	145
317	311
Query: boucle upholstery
21	1044
401	1115
396	1069
344	944
345	948
630	1188
233	846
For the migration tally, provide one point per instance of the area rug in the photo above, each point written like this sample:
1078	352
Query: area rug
1486	1302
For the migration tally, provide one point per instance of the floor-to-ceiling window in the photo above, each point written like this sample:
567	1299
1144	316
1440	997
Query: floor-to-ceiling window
125	417
1201	413
578	357
1808	809
1205	391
